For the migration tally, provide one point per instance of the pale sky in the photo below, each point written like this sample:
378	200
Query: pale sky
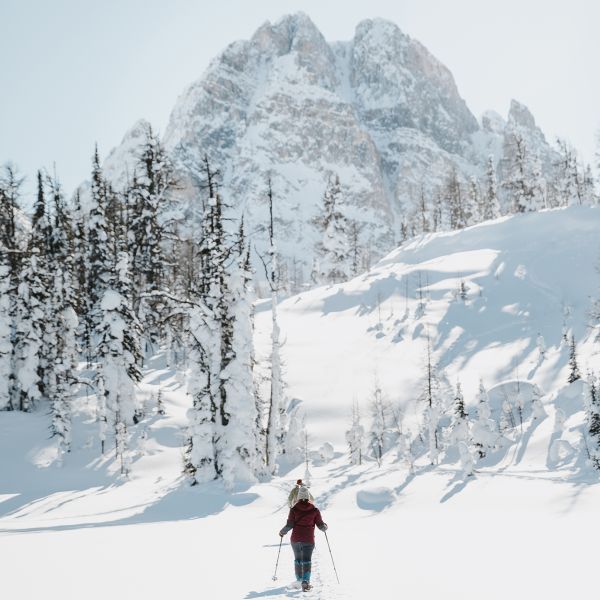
73	72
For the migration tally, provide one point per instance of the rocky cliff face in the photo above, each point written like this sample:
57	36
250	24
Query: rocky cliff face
379	111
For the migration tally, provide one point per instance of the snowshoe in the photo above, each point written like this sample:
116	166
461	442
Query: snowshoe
306	586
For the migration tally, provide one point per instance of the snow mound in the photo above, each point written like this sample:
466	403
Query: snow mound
375	499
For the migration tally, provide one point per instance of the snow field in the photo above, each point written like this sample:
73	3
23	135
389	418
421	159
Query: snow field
523	526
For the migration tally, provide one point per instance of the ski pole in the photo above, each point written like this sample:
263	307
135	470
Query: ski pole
277	563
330	554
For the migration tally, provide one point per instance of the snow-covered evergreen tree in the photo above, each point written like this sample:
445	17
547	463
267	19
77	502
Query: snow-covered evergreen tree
437	211
475	201
483	430
99	264
333	251
590	195
6	337
118	355
355	249
541	345
380	425
200	451
223	438
433	408
537	406
490	204
29	335
33	347
460	432
238	442
507	416
355	437
148	199
208	413
524	182
80	281
41	246
122	452
276	425
423	212
11	255
567	179
459	427
460	212
160	403
61	317
538	199
593	421
574	374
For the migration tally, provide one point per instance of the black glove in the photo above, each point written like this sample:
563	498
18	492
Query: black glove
282	533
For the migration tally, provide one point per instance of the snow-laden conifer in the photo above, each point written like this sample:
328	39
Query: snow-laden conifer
537	406
460	432
148	199
381	422
11	256
593	421
200	452
118	353
433	408
61	317
483	431
355	437
238	442
574	373
99	264
524	182
277	404
458	206
6	338
333	251
490	204
222	443
33	351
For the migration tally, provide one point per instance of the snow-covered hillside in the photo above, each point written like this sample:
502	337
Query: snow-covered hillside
522	526
524	276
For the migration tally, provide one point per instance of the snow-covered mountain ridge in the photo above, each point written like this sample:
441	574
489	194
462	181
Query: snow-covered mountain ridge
379	111
523	275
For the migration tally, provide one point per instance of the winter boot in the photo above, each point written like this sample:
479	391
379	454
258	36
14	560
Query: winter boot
306	586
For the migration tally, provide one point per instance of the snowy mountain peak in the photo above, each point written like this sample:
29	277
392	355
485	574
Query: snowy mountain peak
399	82
379	111
288	33
520	116
298	36
381	32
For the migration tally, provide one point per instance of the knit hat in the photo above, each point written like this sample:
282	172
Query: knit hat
303	493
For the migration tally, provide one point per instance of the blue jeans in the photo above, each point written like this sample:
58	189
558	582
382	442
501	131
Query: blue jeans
302	560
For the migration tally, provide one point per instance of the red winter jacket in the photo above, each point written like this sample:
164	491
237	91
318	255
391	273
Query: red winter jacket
302	520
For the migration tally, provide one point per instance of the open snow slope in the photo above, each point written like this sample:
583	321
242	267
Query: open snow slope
523	526
524	275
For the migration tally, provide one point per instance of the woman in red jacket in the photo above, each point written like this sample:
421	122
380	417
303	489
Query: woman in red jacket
302	520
